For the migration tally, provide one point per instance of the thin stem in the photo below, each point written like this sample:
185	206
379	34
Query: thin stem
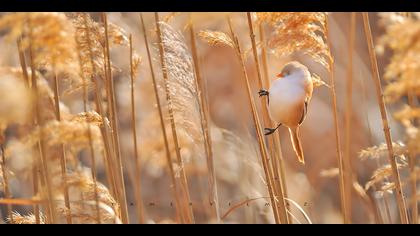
62	151
261	143
412	168
42	157
278	178
162	124
89	133
275	141
379	94
137	186
370	143
22	61
98	101
214	198
45	179
412	159
342	168
114	122
349	96
387	209
35	191
6	189
93	165
184	184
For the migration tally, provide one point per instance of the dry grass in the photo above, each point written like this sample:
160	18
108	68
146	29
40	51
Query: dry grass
155	118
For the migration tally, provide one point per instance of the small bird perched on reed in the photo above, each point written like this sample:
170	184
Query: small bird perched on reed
288	99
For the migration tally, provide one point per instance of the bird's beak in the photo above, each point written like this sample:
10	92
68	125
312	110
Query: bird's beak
281	75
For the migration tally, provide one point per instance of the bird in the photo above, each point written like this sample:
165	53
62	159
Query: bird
288	99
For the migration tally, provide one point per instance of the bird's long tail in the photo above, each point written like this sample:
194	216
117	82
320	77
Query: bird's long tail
297	146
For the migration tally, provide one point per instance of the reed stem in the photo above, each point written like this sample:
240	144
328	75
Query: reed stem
381	103
62	151
412	167
114	124
178	211
213	196
275	141
46	177
348	119
99	107
342	168
184	184
411	97
261	143
137	185
6	188
89	134
278	178
23	65
23	62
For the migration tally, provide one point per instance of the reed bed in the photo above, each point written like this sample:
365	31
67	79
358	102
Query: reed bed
118	118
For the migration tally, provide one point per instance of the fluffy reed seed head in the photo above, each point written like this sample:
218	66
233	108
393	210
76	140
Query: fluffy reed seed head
84	210
298	32
403	38
90	40
49	34
15	102
181	83
379	151
216	38
17	218
74	133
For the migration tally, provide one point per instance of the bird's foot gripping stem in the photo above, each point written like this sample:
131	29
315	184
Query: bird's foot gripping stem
269	131
263	92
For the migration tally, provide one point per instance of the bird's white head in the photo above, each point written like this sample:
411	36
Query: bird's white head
294	68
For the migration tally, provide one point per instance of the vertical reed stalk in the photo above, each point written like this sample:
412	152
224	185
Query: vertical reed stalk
342	168
35	206
412	168
114	122
387	209
184	183
264	59
349	96
92	159
22	61
278	178
89	134
62	150
104	128
381	103
370	138
137	185
275	141
178	211
412	159
214	198
34	166
46	179
6	189
41	161
261	143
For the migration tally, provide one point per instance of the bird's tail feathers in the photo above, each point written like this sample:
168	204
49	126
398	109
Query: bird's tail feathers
297	146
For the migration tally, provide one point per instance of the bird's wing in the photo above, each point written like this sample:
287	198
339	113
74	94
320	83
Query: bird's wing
305	110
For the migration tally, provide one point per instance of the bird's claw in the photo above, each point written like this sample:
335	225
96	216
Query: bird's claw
269	131
263	92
